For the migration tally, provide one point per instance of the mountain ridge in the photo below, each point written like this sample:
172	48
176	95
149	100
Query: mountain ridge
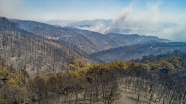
87	41
133	52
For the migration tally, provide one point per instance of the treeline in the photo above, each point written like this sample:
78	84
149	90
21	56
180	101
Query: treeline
161	81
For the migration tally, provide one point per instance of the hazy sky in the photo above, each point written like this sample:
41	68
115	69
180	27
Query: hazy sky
121	11
43	10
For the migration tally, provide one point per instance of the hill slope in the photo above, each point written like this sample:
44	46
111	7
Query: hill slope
127	53
37	54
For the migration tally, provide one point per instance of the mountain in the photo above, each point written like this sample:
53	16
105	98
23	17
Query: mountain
85	40
131	39
133	52
83	23
60	22
37	54
96	25
92	42
91	23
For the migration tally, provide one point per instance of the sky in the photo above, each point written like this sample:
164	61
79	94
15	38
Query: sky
120	11
43	10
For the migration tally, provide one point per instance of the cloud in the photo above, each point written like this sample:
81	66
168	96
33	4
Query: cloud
176	33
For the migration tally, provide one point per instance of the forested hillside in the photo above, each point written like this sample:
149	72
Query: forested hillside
38	55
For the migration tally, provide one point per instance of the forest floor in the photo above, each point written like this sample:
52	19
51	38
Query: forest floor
129	97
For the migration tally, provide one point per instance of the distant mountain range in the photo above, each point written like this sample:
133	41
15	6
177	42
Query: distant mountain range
123	26
60	22
83	23
91	23
88	41
85	40
133	52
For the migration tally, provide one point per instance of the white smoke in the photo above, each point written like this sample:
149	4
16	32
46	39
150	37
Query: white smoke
99	28
118	22
150	21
